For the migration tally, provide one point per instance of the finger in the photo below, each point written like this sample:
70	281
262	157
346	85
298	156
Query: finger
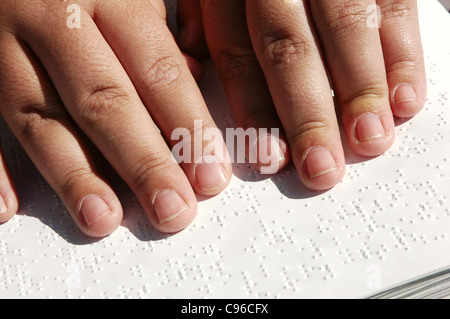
286	48
191	36
9	203
403	55
195	67
34	113
160	8
355	61
102	100
165	85
249	97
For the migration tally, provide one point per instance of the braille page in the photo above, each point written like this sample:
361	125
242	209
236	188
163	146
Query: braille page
387	222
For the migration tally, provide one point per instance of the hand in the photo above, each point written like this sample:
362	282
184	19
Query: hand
78	77
275	59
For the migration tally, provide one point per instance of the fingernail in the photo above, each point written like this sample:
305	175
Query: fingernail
319	162
369	127
405	93
209	173
168	205
269	154
93	209
3	207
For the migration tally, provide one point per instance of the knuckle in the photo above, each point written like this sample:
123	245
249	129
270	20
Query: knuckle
34	118
146	168
254	116
30	124
373	91
164	71
397	9
307	130
103	102
72	178
235	64
404	63
200	131
201	123
347	17
283	51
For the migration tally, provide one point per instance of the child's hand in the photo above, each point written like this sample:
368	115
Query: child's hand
89	72
274	58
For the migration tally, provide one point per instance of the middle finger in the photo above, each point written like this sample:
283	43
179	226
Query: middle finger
287	49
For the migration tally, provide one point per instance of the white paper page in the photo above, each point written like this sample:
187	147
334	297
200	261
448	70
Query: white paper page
387	222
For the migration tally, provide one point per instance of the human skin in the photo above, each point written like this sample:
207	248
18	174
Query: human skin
278	61
77	98
71	93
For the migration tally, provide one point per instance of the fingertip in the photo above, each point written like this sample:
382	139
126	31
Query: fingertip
326	181
322	169
9	202
172	211
211	176
99	215
372	134
270	154
407	101
9	206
